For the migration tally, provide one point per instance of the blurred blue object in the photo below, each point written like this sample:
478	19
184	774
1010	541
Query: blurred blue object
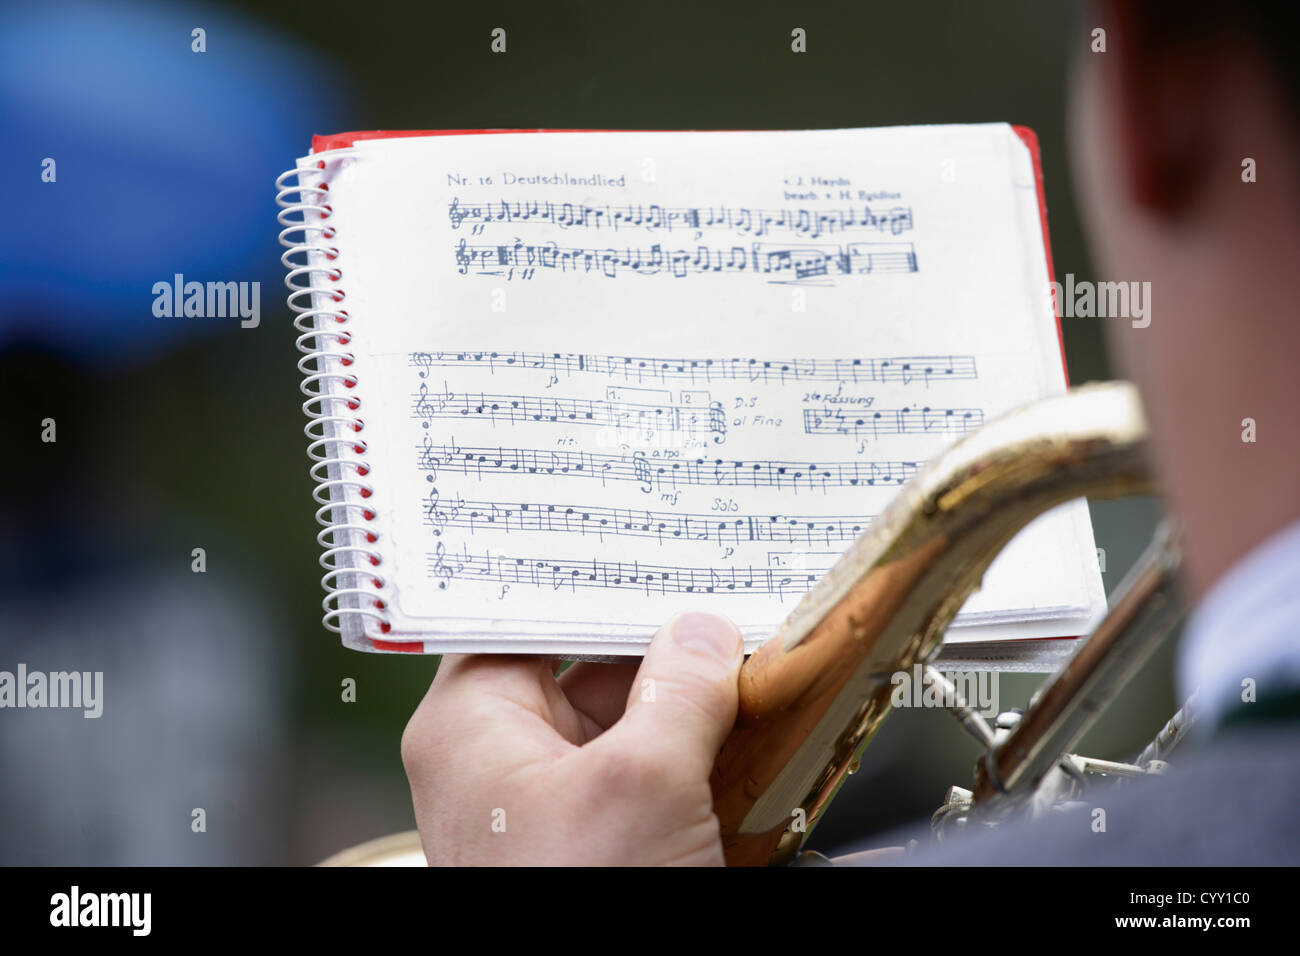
165	161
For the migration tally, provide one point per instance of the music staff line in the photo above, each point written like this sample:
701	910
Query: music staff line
478	516
785	263
661	474
891	421
617	575
903	369
691	421
807	223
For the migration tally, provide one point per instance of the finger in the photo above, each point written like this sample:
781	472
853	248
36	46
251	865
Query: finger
472	687
509	676
510	700
684	695
599	690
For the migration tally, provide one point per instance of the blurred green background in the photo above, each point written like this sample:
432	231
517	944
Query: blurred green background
203	443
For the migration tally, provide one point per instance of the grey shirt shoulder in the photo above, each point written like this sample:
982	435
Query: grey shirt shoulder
1230	802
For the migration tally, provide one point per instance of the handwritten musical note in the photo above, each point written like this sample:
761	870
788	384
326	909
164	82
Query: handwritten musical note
668	474
808	223
663	526
640	369
912	420
689	421
625	575
781	264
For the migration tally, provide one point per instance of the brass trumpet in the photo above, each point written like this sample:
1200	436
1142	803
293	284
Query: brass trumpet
813	696
815	693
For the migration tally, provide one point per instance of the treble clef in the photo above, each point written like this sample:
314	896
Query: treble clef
456	214
428	461
440	568
463	258
423	407
433	515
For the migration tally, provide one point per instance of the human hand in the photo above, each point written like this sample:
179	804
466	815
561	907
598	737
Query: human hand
608	765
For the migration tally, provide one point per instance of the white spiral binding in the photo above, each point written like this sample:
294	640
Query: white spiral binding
355	588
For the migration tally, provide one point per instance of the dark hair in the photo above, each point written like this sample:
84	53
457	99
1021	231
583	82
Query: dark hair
1267	25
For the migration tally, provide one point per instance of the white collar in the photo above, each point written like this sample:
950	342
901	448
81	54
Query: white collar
1246	627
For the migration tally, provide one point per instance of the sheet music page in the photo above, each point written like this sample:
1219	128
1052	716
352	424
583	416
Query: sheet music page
610	376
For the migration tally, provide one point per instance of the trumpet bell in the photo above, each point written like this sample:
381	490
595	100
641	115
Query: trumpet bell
397	849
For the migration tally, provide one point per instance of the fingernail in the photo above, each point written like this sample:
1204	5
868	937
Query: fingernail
708	632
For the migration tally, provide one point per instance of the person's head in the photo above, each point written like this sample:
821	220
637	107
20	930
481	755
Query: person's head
1185	138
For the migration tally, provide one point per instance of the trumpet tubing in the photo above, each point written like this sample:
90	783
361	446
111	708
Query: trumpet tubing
812	697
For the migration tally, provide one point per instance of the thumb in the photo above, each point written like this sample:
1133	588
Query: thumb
683	699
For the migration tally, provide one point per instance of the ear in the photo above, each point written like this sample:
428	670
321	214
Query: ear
1158	92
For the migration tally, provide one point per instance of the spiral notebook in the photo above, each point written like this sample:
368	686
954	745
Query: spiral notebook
565	384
